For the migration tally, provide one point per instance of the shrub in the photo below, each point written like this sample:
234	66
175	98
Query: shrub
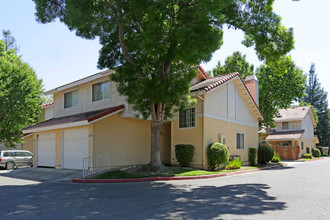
320	149
307	150
184	154
276	158
234	164
252	156
217	154
265	154
316	152
308	156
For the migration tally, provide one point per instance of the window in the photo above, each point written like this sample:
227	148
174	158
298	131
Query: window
239	141
285	125
101	91
187	118
302	145
70	99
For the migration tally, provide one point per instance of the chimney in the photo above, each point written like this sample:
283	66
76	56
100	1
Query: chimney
252	85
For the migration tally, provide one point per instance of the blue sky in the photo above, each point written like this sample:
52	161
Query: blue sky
59	57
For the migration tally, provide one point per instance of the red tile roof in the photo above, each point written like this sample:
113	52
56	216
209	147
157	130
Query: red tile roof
47	104
206	76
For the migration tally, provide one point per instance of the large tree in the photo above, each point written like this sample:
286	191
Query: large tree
234	63
155	43
281	83
20	96
316	96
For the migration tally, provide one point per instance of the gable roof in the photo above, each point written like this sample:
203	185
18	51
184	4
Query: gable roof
214	82
295	114
73	120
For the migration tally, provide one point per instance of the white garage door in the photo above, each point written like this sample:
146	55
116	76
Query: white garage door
46	150
75	148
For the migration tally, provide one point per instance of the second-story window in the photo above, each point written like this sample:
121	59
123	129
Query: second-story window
71	99
101	91
187	118
288	125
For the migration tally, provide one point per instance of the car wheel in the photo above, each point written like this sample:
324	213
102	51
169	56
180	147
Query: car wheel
10	165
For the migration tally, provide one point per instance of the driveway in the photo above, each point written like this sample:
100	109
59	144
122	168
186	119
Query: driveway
42	174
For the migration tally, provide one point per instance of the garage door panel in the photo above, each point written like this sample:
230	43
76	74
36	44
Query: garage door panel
46	150
75	148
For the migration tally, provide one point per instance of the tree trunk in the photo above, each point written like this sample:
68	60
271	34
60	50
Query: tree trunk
157	119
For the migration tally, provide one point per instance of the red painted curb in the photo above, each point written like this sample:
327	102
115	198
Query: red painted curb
315	159
147	179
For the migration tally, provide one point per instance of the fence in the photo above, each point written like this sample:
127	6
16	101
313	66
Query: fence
96	164
287	152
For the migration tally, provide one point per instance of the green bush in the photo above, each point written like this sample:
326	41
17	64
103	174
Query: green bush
252	156
316	152
320	149
234	164
307	150
308	156
184	154
276	158
265	154
217	154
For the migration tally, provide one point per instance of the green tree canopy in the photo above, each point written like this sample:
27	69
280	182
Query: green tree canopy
20	96
316	96
155	43
234	63
280	83
9	40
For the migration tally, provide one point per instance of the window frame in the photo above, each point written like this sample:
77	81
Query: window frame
194	122
73	104
238	143
100	90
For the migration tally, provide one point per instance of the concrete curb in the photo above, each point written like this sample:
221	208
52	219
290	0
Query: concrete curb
322	158
147	179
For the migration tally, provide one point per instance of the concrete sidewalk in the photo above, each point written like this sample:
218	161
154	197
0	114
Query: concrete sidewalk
44	174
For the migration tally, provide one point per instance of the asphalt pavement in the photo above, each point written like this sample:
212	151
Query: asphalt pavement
298	191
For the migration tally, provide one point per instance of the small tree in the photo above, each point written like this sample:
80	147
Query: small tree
217	154
20	96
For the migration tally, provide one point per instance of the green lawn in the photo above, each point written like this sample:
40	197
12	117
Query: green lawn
173	171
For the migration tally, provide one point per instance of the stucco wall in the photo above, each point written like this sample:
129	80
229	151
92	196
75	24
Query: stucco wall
307	143
127	140
214	127
28	144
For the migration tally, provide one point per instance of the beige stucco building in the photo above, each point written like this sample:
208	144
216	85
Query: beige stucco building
89	117
293	133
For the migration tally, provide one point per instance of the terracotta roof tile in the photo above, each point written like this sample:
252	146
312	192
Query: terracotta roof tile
47	104
213	82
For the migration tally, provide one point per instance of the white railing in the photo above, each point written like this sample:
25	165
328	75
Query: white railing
96	164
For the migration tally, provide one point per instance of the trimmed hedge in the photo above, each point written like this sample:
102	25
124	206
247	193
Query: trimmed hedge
320	149
308	156
217	154
316	152
184	154
252	156
265	154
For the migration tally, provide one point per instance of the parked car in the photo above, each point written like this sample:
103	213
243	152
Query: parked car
10	159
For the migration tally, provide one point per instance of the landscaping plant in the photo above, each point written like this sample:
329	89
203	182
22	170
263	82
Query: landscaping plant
217	154
276	158
307	156
234	164
184	154
316	152
265	154
252	156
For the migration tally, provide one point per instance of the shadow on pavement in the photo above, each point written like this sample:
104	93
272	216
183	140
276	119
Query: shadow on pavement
153	200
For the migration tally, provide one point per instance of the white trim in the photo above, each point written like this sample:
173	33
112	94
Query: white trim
195	118
66	125
228	107
79	82
108	115
62	149
208	115
243	140
236	97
